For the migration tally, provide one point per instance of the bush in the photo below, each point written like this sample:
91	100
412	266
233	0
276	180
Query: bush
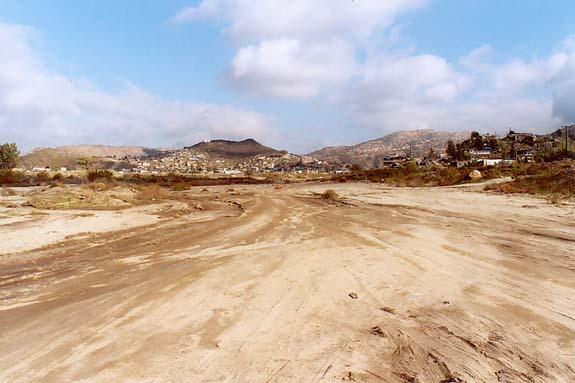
100	175
330	194
7	192
410	167
10	177
150	194
99	186
42	177
181	186
58	177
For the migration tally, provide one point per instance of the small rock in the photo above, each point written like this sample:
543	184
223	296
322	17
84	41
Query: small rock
475	175
353	295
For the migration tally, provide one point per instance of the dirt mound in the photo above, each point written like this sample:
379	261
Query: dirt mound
88	197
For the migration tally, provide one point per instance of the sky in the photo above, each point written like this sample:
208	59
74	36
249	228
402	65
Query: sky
295	75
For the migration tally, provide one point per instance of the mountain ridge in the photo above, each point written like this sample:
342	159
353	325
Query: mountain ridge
229	149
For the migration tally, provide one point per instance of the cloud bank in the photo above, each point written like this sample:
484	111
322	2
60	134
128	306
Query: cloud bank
342	52
40	106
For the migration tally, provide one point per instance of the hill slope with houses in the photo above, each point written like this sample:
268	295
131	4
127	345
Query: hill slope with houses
414	143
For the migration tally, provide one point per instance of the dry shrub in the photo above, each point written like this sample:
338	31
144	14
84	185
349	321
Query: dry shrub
42	177
330	194
556	181
99	186
7	192
150	194
58	177
205	190
181	186
100	175
8	177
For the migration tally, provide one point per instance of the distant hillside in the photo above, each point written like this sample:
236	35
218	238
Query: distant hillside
399	143
235	149
68	156
561	132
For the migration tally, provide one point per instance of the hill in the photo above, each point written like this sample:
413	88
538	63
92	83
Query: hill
235	149
68	156
368	153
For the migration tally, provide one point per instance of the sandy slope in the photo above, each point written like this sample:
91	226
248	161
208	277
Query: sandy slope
451	285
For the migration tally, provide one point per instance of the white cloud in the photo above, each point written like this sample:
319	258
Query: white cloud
40	106
287	68
301	49
426	91
563	84
296	49
250	20
423	78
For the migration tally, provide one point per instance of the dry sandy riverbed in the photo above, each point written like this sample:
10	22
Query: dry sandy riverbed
267	284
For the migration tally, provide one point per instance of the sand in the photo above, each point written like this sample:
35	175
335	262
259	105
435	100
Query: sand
268	284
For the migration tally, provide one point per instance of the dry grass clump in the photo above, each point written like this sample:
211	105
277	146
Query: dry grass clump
181	186
99	186
99	175
7	192
150	194
58	177
330	195
555	181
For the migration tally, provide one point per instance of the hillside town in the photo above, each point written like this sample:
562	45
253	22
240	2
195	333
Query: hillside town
248	157
188	161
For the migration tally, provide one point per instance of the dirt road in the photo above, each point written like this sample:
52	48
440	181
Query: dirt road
267	284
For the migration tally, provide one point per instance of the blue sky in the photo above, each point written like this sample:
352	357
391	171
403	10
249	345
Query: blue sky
297	75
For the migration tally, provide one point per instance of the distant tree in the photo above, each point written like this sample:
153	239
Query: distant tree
505	149
451	149
84	161
9	156
431	154
461	152
476	141
493	143
410	167
356	168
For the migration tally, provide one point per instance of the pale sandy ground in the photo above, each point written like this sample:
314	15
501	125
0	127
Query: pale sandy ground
452	284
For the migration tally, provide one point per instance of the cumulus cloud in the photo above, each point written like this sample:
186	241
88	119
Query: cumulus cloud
295	49
287	68
563	83
299	49
38	105
249	20
426	91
